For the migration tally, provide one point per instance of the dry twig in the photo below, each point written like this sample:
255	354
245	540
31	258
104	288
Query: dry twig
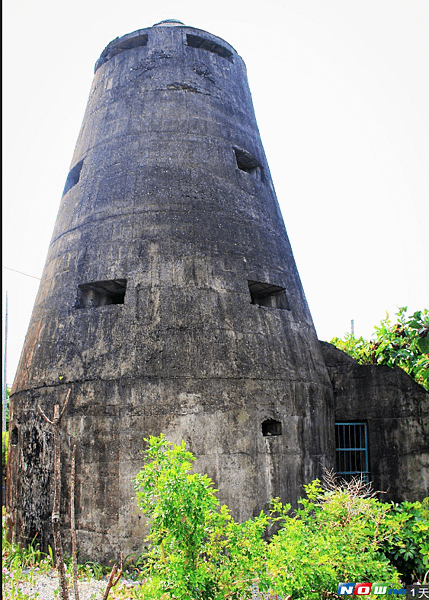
57	493
73	523
112	581
357	487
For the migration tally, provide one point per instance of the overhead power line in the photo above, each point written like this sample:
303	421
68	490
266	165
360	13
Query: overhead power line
21	273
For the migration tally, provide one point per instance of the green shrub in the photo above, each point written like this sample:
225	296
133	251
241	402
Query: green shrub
334	536
404	343
409	549
199	552
194	540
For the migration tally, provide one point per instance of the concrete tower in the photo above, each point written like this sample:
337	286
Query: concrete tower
170	301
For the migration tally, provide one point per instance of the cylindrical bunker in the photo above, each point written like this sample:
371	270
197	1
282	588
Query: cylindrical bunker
170	302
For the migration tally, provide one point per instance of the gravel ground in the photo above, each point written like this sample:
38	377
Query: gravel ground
90	589
46	586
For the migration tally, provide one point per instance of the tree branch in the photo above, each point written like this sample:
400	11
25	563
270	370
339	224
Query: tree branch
55	423
112	581
73	523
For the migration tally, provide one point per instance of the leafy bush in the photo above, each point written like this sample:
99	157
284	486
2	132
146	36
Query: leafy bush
409	549
198	551
404	343
334	536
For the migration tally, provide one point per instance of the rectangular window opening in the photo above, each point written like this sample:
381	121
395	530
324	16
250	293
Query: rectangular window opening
351	446
269	295
101	293
73	177
132	42
114	49
271	427
246	162
14	436
195	41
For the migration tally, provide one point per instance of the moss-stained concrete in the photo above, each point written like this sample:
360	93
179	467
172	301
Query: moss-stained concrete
170	302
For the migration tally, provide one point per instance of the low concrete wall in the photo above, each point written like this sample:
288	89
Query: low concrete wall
396	410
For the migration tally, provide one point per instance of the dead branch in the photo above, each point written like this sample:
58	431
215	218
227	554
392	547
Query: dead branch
357	487
55	423
330	480
73	523
57	416
112	580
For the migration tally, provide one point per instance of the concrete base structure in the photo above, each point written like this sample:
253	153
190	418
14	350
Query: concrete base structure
395	410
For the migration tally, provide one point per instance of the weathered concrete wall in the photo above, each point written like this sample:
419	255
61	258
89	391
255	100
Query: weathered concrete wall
170	195
396	410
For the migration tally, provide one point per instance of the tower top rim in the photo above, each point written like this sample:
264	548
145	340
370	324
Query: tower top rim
169	23
133	39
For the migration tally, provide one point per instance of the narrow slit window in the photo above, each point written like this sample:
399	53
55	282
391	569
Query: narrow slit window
73	177
133	42
14	436
267	294
351	445
271	427
248	163
195	41
101	293
128	44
